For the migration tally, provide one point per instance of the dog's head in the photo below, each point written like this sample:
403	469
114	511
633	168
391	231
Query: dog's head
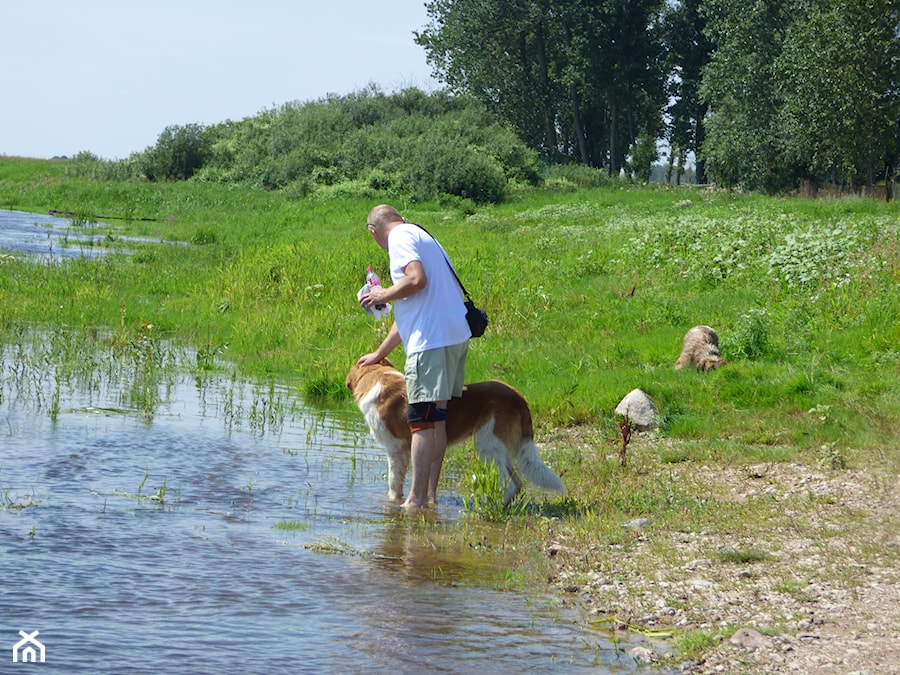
357	372
710	362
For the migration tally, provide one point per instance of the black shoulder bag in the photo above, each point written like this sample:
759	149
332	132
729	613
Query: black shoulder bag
476	318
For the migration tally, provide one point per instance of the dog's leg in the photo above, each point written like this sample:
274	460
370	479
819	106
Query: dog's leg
514	486
398	461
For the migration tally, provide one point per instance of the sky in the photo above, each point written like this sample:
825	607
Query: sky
108	76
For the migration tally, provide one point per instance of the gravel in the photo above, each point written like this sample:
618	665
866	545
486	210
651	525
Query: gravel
810	585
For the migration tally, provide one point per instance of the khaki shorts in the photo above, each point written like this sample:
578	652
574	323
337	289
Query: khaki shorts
436	374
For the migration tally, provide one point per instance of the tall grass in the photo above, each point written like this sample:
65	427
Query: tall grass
589	292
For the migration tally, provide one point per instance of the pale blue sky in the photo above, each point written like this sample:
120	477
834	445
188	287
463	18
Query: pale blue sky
107	76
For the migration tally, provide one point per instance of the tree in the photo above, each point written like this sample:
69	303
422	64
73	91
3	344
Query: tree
687	50
178	153
497	51
743	140
839	75
576	78
802	89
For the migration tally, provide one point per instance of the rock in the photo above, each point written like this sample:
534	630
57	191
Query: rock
638	408
637	524
642	655
749	639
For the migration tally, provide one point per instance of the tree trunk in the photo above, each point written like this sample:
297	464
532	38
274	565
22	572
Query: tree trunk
613	133
550	139
670	165
699	137
579	128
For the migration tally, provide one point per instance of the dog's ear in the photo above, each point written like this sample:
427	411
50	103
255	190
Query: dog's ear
386	361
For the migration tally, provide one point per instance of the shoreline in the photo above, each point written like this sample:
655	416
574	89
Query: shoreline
812	574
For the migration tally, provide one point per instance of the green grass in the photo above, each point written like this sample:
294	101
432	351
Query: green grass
589	293
291	525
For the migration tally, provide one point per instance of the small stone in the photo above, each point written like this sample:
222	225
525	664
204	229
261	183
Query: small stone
637	524
639	409
642	655
757	471
748	639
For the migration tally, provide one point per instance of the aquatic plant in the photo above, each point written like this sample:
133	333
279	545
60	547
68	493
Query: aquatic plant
160	497
487	495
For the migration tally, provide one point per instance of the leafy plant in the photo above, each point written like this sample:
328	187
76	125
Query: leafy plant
488	494
750	336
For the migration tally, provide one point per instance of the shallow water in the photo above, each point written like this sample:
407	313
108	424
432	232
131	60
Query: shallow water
151	543
46	237
51	238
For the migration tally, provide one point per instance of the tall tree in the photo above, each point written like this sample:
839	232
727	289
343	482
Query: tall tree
499	52
688	50
802	89
578	77
614	57
839	76
743	144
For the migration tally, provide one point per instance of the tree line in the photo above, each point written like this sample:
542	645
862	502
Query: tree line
764	93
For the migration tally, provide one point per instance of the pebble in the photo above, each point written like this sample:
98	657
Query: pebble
749	639
637	524
642	655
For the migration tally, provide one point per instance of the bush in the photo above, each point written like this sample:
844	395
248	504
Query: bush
750	338
464	172
178	154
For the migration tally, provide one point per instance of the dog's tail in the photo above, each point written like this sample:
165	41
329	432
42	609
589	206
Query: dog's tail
535	471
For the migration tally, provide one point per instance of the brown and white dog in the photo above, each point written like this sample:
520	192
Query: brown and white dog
494	414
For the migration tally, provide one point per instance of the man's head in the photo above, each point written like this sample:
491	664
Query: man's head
381	220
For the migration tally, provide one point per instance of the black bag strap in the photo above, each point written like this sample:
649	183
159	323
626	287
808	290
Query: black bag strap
455	275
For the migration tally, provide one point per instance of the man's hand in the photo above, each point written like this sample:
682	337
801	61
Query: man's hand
375	296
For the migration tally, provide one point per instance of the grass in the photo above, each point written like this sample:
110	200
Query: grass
161	497
589	293
291	525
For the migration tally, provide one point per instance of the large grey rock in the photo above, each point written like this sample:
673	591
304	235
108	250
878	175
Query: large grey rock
638	408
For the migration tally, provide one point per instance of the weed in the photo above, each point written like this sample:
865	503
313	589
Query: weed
695	642
161	496
750	337
627	428
292	525
488	493
831	457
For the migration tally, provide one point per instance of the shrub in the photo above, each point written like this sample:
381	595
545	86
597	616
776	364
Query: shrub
750	338
463	172
178	154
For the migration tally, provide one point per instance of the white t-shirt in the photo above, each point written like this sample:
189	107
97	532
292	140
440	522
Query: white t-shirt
434	317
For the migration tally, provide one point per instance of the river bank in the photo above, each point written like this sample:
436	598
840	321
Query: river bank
811	571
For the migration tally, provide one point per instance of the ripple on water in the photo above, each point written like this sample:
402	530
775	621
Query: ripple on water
151	547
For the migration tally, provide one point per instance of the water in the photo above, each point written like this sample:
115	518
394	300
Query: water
151	542
50	238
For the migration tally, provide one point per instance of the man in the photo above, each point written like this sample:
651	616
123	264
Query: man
430	321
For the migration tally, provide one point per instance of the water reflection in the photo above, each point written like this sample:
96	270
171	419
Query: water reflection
148	542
